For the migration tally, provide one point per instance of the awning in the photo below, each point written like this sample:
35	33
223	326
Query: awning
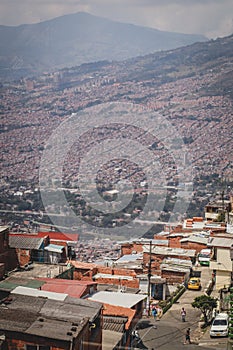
54	248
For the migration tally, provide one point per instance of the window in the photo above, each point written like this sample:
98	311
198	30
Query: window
37	347
220	322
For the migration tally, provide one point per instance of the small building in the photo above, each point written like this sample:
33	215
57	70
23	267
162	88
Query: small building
28	247
176	271
128	300
34	248
195	241
8	257
67	240
130	261
136	246
120	280
118	323
54	254
83	270
217	210
46	321
158	254
221	263
158	286
122	311
74	288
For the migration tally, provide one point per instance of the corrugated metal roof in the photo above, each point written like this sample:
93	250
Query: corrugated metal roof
114	323
118	298
129	258
195	239
180	262
72	290
39	293
12	282
23	242
170	251
47	318
174	268
59	236
223	242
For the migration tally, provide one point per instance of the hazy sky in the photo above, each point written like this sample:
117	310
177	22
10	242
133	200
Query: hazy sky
213	18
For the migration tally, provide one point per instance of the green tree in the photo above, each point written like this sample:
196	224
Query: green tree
205	304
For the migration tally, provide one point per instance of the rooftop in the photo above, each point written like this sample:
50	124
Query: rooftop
39	293
3	228
11	283
47	318
24	242
129	258
223	242
170	251
195	239
109	276
118	298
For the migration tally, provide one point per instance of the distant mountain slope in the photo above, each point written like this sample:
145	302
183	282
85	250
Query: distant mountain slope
74	39
196	56
197	59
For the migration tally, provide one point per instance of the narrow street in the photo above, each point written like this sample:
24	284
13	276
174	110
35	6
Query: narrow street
169	332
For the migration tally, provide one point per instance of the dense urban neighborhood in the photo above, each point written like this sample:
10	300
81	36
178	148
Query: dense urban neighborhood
116	205
101	294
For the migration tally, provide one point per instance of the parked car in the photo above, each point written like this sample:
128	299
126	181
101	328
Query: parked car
219	327
194	283
204	257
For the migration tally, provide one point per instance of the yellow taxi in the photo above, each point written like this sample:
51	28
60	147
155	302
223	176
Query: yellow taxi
194	283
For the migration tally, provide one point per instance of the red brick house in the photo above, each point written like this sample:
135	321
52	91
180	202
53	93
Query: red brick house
104	275
8	257
137	245
196	242
158	254
66	240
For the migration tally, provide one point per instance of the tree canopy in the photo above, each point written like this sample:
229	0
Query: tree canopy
205	304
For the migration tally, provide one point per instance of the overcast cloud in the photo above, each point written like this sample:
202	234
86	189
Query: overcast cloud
212	18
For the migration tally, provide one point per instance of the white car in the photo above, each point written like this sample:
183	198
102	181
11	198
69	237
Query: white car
219	327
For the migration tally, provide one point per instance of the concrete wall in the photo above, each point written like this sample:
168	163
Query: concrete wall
223	279
224	258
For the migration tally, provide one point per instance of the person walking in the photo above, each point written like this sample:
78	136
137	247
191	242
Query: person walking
187	337
183	314
154	312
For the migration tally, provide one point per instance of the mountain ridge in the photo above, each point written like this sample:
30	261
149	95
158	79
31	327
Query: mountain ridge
78	38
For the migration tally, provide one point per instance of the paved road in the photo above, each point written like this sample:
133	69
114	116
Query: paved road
169	332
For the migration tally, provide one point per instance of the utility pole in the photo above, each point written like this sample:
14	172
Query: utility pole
149	277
